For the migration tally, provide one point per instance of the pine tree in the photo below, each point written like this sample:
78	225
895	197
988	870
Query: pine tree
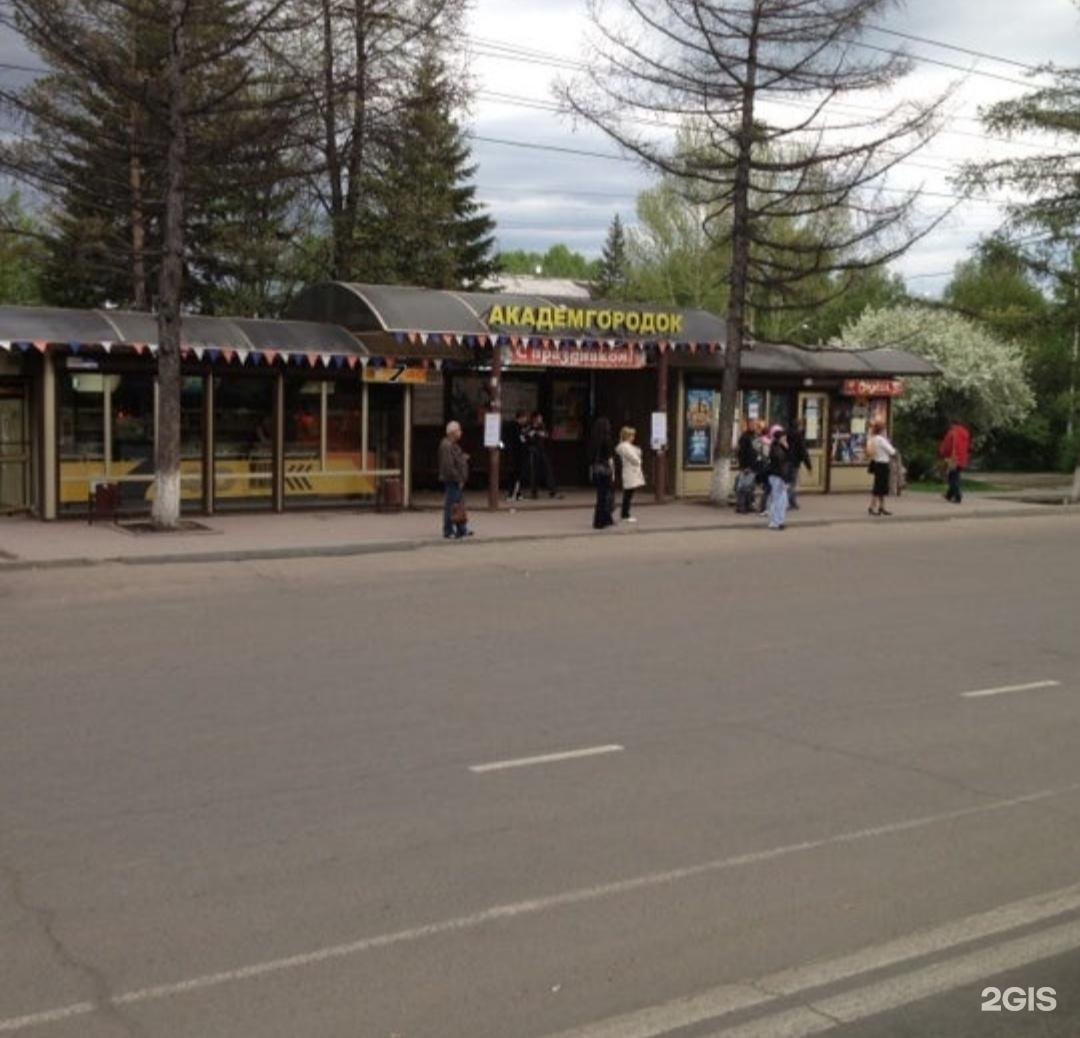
98	156
614	263
423	224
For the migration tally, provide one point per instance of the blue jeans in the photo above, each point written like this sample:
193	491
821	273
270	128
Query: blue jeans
778	502
452	496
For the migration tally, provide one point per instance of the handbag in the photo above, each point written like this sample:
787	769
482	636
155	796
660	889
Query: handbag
599	470
459	514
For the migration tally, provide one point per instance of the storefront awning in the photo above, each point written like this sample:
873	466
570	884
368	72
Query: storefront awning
211	338
782	360
451	324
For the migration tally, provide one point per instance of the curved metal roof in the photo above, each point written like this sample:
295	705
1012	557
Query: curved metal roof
55	325
403	309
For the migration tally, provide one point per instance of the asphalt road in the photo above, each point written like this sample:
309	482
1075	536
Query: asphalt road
273	799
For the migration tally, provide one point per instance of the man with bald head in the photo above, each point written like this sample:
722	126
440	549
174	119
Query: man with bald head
453	474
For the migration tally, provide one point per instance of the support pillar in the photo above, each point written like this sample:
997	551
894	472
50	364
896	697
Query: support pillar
496	408
660	456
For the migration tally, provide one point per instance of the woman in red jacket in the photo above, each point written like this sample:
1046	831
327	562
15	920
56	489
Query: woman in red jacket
955	449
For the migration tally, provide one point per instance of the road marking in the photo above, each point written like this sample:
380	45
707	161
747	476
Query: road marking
547	758
885	995
729	998
522	909
1030	687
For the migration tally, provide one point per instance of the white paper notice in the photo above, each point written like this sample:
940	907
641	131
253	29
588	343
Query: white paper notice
492	429
659	430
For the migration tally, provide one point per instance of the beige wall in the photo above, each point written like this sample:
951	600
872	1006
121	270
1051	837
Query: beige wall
850	478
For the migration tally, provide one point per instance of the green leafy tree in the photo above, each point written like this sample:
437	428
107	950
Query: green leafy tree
1043	219
424	225
558	262
671	259
870	289
22	254
983	378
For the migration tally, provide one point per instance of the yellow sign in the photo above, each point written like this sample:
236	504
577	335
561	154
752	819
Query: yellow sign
402	374
565	318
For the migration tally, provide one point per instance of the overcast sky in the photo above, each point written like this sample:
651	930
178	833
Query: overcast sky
541	197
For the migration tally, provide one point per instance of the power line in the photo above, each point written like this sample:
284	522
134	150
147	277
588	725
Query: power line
510	52
957	48
612	157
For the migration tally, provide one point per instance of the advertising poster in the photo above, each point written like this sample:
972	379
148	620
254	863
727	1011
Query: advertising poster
569	403
699	428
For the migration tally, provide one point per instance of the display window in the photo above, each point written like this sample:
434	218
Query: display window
329	457
107	434
243	442
852	418
569	410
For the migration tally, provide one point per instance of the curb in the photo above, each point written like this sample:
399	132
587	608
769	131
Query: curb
415	544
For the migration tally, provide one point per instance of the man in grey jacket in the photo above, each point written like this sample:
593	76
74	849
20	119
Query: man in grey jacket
453	474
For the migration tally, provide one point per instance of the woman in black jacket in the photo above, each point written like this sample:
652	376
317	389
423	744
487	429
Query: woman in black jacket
602	471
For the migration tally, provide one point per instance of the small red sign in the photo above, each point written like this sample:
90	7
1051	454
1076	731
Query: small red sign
872	387
613	358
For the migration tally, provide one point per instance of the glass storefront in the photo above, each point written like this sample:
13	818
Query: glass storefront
852	418
243	442
192	440
81	403
328	459
15	448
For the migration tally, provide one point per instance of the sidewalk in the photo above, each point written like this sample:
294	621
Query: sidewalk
28	543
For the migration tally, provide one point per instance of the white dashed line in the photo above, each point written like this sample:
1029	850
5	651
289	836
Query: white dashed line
1030	687
547	758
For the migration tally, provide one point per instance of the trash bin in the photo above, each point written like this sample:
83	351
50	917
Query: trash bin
103	501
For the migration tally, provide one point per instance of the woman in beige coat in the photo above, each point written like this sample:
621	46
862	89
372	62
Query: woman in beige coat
629	455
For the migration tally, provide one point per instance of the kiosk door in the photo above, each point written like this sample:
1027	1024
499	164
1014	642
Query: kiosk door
814	413
14	448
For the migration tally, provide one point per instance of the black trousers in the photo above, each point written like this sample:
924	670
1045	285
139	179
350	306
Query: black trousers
627	501
602	515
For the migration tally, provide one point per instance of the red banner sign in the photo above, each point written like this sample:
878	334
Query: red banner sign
872	387
616	358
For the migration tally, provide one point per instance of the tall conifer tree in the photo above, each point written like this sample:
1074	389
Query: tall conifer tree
424	225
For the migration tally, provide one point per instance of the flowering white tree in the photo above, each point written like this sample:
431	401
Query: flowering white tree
982	379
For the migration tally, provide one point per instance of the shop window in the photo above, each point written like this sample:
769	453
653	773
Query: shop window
324	448
700	421
852	418
569	408
781	408
192	419
243	442
81	399
130	461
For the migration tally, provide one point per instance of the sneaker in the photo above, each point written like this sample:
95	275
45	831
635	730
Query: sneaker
630	519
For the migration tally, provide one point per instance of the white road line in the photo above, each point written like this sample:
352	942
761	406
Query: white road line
1030	687
522	909
547	758
729	998
885	995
